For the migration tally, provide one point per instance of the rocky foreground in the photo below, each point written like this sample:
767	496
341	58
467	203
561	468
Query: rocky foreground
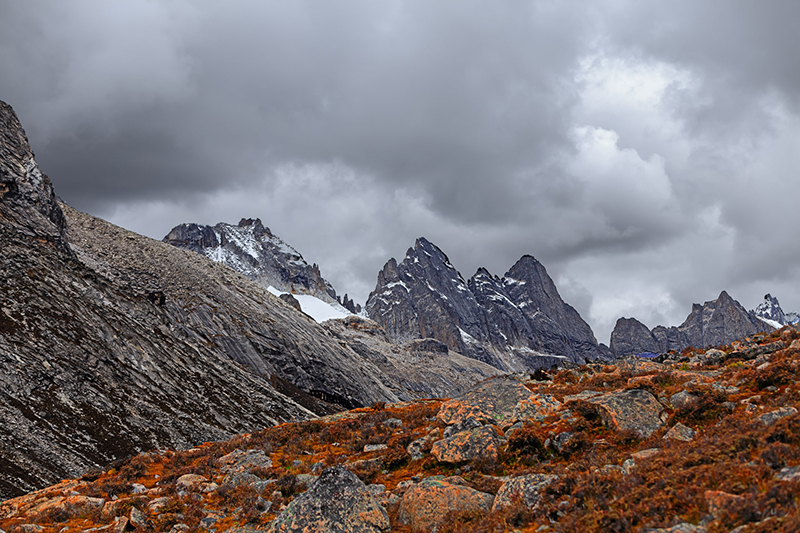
702	442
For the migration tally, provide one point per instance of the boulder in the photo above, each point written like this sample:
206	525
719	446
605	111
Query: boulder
721	503
425	505
525	487
634	410
710	357
773	416
680	432
338	502
473	444
417	448
493	401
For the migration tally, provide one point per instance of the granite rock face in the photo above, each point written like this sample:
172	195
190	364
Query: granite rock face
518	322
112	343
715	322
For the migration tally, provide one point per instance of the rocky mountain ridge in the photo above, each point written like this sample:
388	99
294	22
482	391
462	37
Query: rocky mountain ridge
705	442
517	322
253	250
715	322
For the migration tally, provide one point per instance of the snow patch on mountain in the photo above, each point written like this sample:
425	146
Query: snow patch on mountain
317	309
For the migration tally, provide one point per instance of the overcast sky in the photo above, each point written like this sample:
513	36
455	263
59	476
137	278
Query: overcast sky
647	153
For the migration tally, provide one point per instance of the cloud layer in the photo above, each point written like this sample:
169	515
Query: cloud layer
644	151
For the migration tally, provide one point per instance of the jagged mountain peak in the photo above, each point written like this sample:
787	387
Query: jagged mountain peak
253	250
712	323
509	322
770	311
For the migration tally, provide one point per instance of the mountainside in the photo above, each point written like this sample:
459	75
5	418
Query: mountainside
707	442
112	343
715	322
252	249
514	323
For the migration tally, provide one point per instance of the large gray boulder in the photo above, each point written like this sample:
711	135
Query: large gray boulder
337	502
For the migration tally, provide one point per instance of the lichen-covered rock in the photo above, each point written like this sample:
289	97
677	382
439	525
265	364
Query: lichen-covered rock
525	487
474	444
425	505
680	528
338	502
680	432
634	410
492	401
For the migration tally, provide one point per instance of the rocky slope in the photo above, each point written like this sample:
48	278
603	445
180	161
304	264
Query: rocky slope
417	369
252	249
516	322
112	343
715	322
708	442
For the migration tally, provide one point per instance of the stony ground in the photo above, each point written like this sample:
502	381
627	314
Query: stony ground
702	441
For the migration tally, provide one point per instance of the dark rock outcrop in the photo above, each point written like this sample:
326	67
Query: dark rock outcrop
715	322
518	322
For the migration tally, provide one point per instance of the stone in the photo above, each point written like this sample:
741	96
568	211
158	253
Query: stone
138	519
470	445
525	487
710	357
645	454
190	482
415	449
681	399
680	528
680	432
562	441
338	502
788	473
636	411
720	503
468	424
425	505
240	460
773	416
535	408
393	423
493	401
374	447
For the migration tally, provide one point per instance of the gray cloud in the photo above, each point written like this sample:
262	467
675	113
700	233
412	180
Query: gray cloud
644	151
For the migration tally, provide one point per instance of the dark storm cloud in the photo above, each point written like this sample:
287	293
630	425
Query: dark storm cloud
618	142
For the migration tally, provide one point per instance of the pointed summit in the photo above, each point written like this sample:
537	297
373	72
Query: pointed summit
514	323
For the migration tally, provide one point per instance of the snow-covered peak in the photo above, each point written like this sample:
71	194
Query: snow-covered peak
770	311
